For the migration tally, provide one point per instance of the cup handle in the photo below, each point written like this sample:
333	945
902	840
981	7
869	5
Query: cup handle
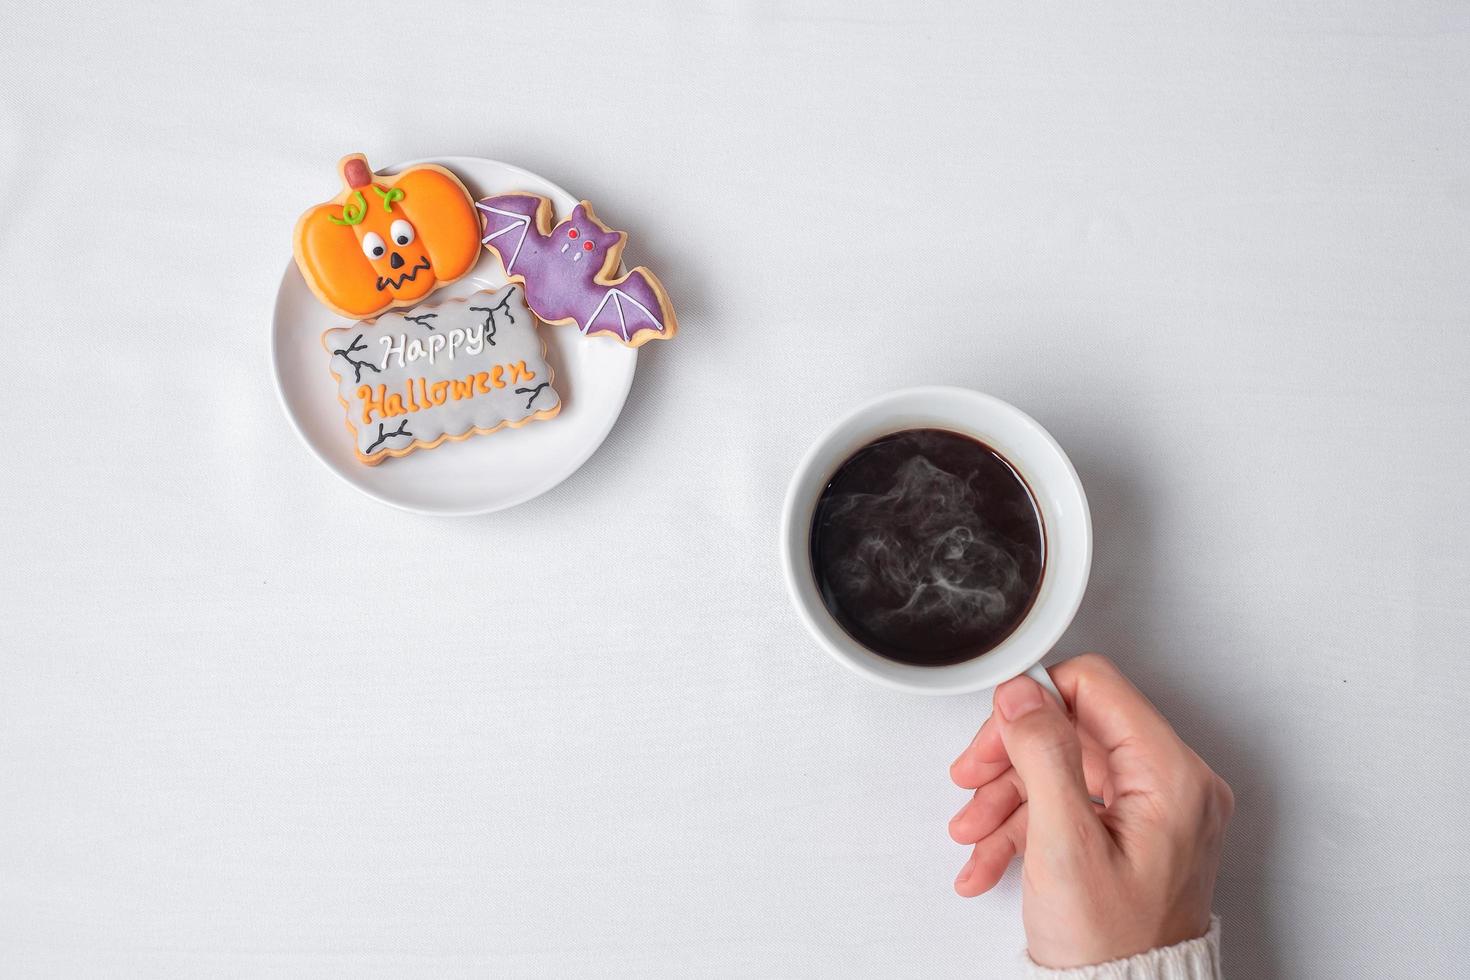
1038	674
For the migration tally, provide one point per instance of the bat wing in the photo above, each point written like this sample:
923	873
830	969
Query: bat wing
634	309
509	220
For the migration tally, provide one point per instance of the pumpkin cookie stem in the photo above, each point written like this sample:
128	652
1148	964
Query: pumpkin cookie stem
355	171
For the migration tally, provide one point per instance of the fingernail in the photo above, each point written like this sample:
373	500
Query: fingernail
964	874
1018	697
959	813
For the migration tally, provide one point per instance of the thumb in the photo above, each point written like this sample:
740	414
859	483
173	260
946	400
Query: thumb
1042	744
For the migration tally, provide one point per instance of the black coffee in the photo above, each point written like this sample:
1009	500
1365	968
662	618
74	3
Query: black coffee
927	547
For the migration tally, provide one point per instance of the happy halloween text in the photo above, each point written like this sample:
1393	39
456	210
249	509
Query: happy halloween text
421	393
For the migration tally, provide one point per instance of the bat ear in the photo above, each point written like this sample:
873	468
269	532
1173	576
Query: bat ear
579	213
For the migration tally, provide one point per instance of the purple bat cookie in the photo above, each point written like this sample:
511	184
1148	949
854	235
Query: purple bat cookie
568	270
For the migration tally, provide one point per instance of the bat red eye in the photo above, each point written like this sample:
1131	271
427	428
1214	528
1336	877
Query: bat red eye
571	233
587	246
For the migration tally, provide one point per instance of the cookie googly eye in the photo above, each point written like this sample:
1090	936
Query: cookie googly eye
571	233
402	232
372	245
587	246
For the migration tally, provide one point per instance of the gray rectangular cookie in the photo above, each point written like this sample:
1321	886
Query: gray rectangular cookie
462	367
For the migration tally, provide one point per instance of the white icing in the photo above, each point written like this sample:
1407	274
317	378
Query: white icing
401	232
372	245
391	349
618	298
519	223
471	339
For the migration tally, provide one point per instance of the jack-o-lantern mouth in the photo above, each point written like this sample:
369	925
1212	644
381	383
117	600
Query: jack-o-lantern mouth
385	281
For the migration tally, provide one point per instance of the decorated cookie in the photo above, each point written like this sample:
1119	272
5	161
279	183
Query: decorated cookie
569	270
464	367
387	241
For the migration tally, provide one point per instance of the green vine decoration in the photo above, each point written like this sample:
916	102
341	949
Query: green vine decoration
352	212
389	196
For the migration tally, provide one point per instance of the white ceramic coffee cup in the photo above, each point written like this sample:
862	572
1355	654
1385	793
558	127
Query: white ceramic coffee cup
1059	497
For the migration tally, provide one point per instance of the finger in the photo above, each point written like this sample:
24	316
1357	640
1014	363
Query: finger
990	807
1107	705
983	759
1047	754
992	856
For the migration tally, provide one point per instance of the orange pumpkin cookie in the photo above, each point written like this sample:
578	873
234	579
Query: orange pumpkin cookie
387	241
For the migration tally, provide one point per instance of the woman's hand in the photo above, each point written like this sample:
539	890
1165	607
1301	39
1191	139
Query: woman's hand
1100	881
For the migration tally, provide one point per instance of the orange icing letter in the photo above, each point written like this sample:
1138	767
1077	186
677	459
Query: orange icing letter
369	403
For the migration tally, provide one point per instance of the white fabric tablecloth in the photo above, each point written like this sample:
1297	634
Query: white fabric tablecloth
1221	251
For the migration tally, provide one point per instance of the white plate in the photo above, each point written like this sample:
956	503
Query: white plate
485	473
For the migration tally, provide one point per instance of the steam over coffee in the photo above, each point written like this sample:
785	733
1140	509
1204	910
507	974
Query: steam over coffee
927	547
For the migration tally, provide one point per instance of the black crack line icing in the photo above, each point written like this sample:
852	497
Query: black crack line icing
422	319
503	307
533	392
383	437
357	366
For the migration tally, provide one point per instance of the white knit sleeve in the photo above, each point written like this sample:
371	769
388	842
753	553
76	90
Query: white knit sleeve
1194	959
